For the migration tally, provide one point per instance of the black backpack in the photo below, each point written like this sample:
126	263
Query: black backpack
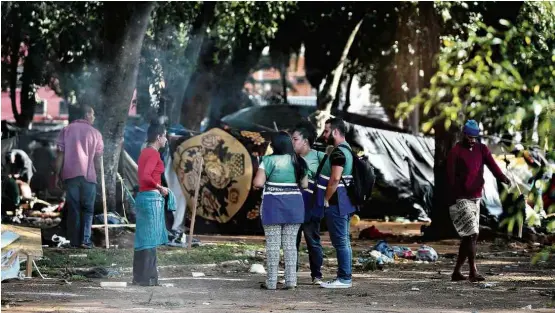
360	188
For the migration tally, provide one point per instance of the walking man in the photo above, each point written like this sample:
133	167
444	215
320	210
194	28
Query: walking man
465	174
80	148
338	208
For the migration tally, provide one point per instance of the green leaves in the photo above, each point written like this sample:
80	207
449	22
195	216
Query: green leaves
496	76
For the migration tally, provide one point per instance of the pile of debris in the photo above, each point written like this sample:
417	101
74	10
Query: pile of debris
382	254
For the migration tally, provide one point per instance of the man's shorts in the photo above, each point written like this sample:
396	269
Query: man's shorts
465	215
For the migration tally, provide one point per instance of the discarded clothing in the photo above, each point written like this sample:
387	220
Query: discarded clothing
381	258
403	252
112	217
384	249
373	233
426	253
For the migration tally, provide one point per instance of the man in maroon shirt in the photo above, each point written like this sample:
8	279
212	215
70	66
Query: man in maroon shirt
465	175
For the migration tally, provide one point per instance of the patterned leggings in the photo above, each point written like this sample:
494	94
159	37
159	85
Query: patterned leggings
277	236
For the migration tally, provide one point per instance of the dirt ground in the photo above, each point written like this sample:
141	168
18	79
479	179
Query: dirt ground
514	285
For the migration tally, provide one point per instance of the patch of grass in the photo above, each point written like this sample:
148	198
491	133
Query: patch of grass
61	258
208	254
55	260
78	278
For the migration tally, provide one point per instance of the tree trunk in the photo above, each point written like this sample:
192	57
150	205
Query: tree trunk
22	118
197	72
340	93
442	226
143	94
329	91
27	96
348	93
283	72
226	99
120	62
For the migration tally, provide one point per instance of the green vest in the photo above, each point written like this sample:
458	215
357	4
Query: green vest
348	168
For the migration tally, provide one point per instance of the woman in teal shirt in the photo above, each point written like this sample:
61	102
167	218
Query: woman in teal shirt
303	139
282	175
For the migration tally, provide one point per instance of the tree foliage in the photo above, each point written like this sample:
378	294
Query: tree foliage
498	77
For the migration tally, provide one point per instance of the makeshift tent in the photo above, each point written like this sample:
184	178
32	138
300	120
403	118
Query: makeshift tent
265	118
40	144
403	162
226	202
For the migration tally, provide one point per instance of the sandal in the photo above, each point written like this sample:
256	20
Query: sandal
458	277
476	278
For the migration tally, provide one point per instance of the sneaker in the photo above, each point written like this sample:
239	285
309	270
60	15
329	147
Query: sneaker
317	281
281	281
86	246
335	284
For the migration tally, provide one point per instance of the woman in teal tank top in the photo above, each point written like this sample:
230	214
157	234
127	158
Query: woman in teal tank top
282	175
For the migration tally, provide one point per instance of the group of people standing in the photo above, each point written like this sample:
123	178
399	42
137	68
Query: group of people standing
301	186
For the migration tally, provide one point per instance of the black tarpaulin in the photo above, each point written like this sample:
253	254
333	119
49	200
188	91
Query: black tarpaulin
404	169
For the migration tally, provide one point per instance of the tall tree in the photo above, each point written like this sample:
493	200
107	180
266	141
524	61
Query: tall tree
22	43
117	78
499	74
238	33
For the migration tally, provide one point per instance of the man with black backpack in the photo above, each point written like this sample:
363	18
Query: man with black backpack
335	176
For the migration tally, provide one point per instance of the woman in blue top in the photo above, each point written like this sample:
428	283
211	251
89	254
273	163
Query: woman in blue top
282	175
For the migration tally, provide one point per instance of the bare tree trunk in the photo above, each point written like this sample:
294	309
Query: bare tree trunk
340	93
24	116
143	95
27	96
329	91
120	62
415	117
348	93
196	51
283	72
225	99
442	226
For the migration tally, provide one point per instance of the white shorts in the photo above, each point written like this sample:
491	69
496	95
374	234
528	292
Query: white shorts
465	215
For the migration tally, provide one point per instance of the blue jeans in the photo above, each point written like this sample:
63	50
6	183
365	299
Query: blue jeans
338	227
311	231
81	195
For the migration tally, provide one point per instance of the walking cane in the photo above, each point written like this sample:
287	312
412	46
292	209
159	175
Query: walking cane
195	201
104	202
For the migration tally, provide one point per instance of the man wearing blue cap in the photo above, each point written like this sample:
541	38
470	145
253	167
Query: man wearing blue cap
465	175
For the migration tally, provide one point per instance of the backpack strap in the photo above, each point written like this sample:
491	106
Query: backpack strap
318	171
353	160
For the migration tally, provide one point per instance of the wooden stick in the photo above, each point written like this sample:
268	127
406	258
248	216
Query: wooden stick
29	267
104	202
115	226
194	213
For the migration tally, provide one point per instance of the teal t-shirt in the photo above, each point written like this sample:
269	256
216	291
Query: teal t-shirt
313	159
278	168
